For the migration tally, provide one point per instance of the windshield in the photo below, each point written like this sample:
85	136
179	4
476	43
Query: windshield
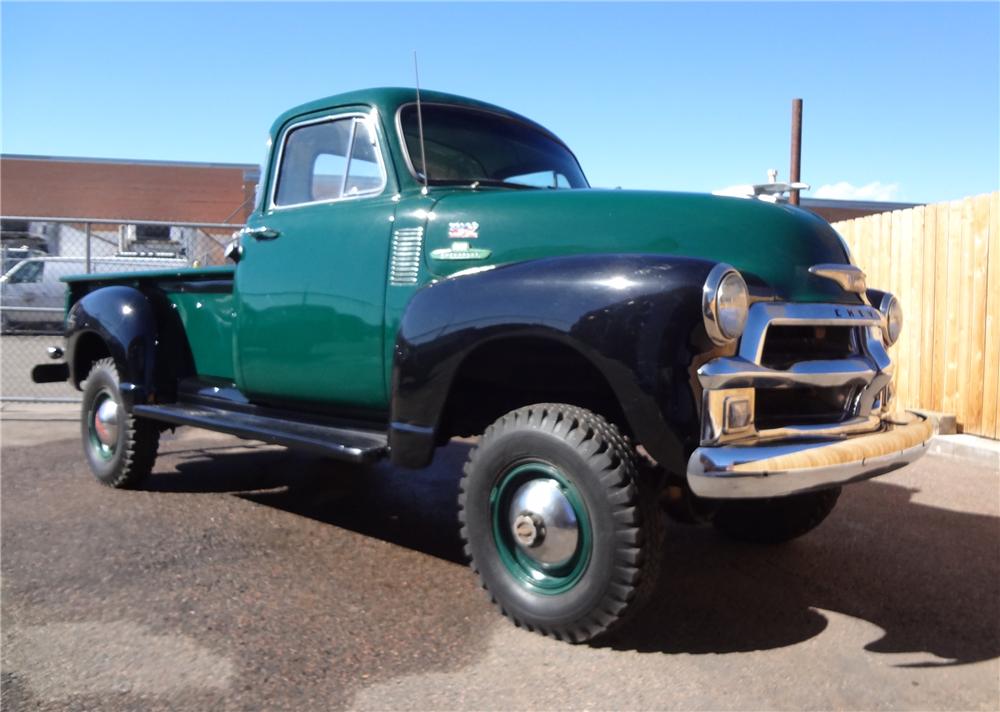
466	145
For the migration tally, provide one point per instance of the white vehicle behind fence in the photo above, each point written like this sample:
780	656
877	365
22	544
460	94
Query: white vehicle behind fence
32	294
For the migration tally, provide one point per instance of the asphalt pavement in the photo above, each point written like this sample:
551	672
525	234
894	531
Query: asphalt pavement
248	577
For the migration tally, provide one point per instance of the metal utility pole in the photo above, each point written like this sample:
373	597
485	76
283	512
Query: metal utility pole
794	176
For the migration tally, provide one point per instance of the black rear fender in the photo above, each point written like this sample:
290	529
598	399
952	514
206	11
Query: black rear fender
138	330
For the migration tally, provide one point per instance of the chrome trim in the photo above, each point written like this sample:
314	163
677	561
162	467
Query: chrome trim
760	471
714	408
512	117
106	422
276	166
869	372
710	303
407	249
543	522
764	314
847	276
854	426
887	299
740	373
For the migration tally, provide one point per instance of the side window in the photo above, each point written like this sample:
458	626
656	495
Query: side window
327	177
327	161
365	175
29	271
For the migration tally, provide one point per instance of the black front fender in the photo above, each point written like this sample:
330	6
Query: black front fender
636	318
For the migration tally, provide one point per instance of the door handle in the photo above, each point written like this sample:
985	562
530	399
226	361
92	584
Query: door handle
262	233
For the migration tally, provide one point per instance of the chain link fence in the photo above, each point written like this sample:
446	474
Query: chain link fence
38	252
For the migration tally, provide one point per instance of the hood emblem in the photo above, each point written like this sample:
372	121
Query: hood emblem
463	230
460	251
849	277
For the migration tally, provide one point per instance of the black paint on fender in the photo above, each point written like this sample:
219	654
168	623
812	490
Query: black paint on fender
143	335
635	317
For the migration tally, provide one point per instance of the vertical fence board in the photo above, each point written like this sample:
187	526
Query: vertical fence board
964	334
926	315
980	226
941	306
897	269
991	350
943	262
913	227
952	323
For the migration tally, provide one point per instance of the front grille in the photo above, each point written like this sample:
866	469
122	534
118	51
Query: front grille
785	345
781	407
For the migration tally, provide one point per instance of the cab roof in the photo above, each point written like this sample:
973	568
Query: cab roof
387	101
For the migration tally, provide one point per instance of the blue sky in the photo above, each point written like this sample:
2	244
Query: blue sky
901	100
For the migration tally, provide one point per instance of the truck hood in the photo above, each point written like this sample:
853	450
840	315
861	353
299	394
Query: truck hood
775	243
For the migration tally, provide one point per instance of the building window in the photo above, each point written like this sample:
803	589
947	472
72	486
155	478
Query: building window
152	233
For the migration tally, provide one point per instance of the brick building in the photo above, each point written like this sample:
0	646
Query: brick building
50	186
123	193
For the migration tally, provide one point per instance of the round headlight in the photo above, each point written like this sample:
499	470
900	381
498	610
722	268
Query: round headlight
892	319
725	300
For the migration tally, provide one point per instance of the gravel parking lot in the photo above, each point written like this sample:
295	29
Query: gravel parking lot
247	577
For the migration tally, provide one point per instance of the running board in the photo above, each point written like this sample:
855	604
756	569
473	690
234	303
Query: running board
354	445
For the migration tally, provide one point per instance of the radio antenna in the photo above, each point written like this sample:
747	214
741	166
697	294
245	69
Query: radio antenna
420	121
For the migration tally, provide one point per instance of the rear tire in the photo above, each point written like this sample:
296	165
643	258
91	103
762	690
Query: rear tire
776	520
557	523
120	448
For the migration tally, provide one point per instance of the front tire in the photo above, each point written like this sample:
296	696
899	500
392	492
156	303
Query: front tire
776	520
120	448
557	524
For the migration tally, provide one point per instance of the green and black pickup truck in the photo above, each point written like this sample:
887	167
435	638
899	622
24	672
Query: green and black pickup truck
415	271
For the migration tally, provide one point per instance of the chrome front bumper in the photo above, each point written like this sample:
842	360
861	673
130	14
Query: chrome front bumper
747	462
775	470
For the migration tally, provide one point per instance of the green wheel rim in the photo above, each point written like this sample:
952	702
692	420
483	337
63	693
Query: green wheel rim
105	452
549	579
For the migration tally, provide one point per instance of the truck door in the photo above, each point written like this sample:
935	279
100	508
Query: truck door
310	282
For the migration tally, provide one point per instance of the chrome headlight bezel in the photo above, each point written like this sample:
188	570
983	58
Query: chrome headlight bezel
892	318
725	303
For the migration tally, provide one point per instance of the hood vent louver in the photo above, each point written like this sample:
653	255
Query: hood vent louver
404	264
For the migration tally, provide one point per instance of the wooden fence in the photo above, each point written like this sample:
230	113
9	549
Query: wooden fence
943	263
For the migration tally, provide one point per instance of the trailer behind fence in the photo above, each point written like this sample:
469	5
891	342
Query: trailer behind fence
37	251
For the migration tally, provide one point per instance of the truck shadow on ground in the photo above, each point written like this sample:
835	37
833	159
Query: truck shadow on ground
928	577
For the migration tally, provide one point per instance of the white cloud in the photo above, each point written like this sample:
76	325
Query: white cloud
845	191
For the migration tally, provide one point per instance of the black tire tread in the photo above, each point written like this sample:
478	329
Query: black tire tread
639	524
142	441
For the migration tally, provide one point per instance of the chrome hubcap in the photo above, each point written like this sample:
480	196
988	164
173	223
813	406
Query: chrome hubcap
106	422
543	522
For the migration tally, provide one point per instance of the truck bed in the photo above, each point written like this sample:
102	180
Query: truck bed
202	298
